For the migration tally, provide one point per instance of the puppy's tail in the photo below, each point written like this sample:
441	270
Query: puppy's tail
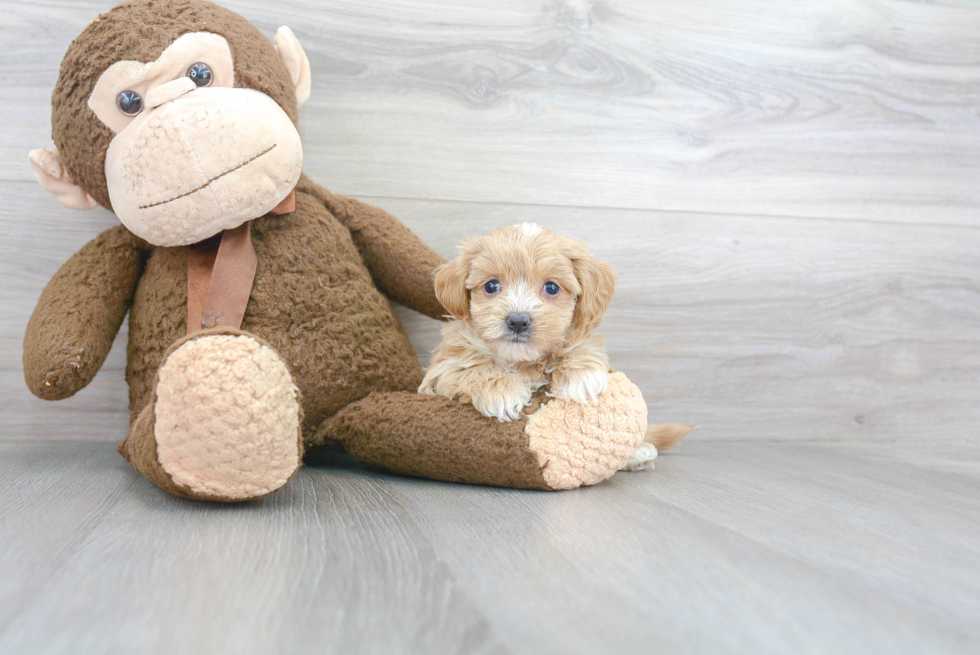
666	435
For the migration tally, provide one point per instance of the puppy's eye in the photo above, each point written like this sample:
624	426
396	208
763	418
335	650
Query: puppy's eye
552	288
491	287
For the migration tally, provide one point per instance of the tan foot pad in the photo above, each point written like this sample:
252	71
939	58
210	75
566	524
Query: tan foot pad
585	444
227	418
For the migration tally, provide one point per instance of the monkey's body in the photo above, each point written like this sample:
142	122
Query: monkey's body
341	341
225	413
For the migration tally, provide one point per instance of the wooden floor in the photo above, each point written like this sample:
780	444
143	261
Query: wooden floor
725	548
790	195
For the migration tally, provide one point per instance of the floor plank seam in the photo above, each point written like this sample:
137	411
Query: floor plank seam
658	210
866	221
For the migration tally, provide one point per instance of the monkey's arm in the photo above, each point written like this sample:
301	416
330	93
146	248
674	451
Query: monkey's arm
79	313
400	263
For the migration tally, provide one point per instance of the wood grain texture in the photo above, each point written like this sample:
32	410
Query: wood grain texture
752	328
322	567
864	109
725	548
762	328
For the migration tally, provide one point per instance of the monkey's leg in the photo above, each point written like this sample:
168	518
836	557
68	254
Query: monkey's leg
223	423
558	445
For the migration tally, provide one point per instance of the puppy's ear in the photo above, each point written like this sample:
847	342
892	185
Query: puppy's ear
450	282
598	284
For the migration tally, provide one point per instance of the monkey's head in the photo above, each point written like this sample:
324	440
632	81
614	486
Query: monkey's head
179	116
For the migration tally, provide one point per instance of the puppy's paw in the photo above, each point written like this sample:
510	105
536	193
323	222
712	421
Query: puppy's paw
428	386
582	386
642	459
503	397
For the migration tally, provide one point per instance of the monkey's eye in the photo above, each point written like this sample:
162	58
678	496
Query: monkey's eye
200	73
129	102
491	287
551	288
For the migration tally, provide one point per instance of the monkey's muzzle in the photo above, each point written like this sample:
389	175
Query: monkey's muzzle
204	162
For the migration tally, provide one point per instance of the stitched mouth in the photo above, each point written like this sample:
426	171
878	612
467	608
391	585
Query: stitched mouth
213	179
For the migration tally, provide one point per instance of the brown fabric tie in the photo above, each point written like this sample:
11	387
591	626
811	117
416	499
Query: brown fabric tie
220	273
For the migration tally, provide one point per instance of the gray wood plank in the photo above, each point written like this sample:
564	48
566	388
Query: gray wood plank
99	560
753	328
759	328
725	548
889	515
750	548
861	109
82	484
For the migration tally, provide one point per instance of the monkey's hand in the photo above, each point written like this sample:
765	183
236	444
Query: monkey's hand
79	313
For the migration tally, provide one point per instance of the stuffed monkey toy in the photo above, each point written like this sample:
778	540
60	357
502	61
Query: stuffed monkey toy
258	301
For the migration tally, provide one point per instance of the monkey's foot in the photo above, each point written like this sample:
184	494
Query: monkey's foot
559	445
583	444
224	423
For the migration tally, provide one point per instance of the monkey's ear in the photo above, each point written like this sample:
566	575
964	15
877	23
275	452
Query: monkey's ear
288	47
450	283
51	174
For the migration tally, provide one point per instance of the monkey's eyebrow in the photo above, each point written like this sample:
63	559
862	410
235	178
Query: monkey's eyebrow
216	177
172	63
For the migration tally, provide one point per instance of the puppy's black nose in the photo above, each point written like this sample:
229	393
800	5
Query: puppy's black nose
518	322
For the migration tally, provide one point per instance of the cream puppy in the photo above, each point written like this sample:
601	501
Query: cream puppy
525	303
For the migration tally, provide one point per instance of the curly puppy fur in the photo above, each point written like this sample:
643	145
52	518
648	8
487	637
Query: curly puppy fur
526	302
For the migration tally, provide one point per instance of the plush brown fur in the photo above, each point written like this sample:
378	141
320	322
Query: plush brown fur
430	437
320	298
79	312
313	301
140	31
140	447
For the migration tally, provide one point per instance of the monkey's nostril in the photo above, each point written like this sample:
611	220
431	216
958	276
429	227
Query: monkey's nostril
518	322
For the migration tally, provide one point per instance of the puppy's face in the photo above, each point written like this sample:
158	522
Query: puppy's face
525	290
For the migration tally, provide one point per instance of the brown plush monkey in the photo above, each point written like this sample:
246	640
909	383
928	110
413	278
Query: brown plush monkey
258	301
